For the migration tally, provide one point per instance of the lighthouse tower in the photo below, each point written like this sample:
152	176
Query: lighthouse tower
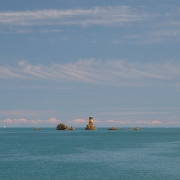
91	120
91	125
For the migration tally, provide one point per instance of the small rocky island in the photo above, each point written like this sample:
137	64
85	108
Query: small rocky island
113	128
37	129
91	125
64	127
137	128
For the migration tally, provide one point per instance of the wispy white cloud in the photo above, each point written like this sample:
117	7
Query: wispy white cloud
154	35
15	30
159	35
163	28
14	121
51	31
143	109
24	113
53	120
10	121
149	122
114	72
154	122
26	121
135	122
79	121
157	26
7	72
95	16
120	122
133	113
143	122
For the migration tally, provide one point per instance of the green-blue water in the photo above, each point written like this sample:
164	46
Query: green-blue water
148	154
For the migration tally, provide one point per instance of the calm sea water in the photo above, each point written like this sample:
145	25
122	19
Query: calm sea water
148	154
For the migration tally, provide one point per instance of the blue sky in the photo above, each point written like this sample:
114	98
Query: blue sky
62	60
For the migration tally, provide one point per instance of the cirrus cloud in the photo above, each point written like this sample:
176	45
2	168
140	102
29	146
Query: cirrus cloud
95	16
96	71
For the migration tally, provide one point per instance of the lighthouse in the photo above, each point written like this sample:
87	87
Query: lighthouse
91	125
91	120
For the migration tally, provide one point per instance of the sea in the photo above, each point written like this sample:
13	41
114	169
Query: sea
126	154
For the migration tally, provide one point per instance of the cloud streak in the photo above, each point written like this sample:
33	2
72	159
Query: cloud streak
94	71
133	113
158	26
26	121
154	122
79	121
25	113
53	122
95	16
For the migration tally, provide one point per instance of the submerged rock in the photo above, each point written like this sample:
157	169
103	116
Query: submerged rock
113	128
128	129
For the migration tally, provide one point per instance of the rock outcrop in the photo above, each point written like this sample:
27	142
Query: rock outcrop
72	128
37	129
137	128
90	127
113	128
64	127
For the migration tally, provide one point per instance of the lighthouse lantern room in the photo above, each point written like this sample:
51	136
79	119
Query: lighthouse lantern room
91	120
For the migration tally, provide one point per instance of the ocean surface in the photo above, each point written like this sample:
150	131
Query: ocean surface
149	154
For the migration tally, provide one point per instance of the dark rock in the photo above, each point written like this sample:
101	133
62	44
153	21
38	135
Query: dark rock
113	128
137	128
62	127
90	127
72	128
37	129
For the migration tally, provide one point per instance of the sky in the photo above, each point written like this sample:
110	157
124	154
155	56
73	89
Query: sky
62	61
